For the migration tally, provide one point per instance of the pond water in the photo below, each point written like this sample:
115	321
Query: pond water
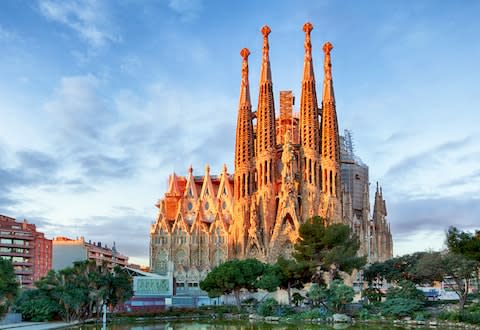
237	325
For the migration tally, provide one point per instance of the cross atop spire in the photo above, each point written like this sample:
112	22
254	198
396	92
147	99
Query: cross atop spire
244	87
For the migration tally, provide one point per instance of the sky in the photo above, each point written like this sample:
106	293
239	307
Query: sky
101	100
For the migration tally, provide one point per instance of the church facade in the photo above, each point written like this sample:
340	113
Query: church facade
289	167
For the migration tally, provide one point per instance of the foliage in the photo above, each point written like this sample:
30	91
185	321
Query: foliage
373	294
428	268
333	298
36	306
464	243
268	307
317	294
76	293
405	290
471	315
339	295
286	274
315	313
8	285
233	276
395	269
297	299
332	249
459	270
400	307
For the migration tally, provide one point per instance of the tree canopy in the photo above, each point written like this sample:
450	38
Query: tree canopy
464	243
233	276
8	285
75	293
332	249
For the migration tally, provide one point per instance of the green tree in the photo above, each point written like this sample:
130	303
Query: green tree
395	269
459	270
466	244
339	295
403	300
334	298
286	274
428	268
76	293
332	249
8	285
232	277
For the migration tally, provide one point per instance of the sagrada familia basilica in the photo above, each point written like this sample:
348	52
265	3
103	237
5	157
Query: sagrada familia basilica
289	167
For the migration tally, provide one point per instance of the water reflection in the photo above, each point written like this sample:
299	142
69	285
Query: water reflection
232	325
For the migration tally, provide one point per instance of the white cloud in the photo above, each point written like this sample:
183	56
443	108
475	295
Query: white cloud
77	107
88	18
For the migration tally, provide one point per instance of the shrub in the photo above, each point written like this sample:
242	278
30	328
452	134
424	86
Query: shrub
400	307
268	307
406	290
373	294
316	313
36	306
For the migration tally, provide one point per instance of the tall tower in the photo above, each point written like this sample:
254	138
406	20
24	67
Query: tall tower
330	141
309	134
244	166
265	145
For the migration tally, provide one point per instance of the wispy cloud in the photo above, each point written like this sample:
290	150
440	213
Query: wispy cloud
7	35
433	214
187	9
87	18
78	107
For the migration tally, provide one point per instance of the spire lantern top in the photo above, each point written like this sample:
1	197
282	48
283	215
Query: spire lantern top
307	28
327	47
244	88
266	31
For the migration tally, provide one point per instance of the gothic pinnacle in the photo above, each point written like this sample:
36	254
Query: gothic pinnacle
308	65
245	88
266	74
328	94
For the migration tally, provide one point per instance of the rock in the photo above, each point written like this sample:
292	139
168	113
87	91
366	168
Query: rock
272	318
341	318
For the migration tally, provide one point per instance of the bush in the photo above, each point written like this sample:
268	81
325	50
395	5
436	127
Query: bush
406	290
268	307
285	310
400	307
36	306
316	313
373	294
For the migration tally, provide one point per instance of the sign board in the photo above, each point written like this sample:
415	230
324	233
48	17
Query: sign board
144	285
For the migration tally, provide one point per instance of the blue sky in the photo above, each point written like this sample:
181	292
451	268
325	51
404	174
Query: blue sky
101	100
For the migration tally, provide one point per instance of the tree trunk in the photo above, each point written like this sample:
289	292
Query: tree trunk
289	291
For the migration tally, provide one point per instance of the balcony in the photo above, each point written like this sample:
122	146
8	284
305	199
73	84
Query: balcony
23	272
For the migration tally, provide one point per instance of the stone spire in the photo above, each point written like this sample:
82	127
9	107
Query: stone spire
328	95
244	146
330	140
265	142
309	131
